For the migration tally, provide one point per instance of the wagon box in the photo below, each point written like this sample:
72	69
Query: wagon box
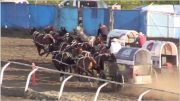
137	62
162	52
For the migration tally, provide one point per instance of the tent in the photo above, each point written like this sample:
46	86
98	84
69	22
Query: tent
160	21
157	8
162	52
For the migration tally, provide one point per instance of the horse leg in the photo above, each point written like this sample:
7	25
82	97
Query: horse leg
90	81
41	54
39	50
47	54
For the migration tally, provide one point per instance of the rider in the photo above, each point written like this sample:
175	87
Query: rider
103	31
141	39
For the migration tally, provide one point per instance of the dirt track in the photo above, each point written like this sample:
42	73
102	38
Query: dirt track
23	50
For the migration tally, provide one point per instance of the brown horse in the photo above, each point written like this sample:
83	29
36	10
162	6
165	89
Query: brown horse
42	41
48	29
86	65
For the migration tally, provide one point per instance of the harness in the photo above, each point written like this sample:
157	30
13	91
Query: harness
82	64
61	61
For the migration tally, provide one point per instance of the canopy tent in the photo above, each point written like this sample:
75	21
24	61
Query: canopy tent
157	8
162	52
125	36
159	21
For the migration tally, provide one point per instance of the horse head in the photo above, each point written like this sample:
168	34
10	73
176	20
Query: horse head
98	40
65	55
62	31
48	29
32	31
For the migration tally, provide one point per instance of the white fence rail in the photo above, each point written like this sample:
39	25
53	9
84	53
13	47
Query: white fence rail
148	89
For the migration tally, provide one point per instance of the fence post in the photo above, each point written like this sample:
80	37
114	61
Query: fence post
33	75
28	79
62	86
122	79
98	90
2	72
141	95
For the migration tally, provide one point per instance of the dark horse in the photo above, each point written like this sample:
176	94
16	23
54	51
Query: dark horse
41	41
102	58
48	29
63	61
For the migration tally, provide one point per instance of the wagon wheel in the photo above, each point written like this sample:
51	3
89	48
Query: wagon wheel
117	77
155	74
102	76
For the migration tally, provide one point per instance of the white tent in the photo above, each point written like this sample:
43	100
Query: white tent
157	8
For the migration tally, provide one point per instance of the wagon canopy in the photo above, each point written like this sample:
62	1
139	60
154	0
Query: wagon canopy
133	56
162	52
125	36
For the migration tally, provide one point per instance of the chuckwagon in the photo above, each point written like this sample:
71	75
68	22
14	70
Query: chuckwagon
162	52
119	38
133	65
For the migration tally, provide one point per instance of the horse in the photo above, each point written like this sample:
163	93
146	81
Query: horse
48	29
62	31
86	65
59	35
42	41
63	61
87	47
101	58
68	38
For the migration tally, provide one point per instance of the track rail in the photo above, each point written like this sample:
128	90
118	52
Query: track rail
148	89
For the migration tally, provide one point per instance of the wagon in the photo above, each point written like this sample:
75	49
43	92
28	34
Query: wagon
162	52
164	55
120	38
133	65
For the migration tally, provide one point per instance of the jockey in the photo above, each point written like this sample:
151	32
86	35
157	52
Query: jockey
103	31
141	39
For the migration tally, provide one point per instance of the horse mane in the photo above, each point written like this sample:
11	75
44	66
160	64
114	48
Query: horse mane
50	36
62	31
